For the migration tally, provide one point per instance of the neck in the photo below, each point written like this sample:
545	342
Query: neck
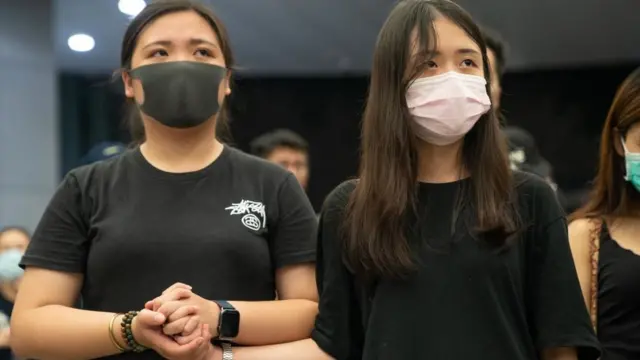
440	164
180	150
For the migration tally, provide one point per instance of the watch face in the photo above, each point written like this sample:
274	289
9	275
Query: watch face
230	323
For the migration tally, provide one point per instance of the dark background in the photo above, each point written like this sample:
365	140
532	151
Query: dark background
563	108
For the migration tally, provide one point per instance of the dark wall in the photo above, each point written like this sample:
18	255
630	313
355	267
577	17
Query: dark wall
324	111
564	110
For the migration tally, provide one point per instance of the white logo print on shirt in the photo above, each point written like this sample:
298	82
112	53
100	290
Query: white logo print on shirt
251	210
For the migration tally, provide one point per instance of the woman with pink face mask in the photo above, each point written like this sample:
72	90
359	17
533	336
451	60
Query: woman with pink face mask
439	250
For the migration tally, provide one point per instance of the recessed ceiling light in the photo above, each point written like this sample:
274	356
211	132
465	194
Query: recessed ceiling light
81	42
131	7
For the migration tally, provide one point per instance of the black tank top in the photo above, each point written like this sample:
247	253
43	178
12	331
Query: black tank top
618	300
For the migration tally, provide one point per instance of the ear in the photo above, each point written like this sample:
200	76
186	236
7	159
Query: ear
227	91
128	84
617	142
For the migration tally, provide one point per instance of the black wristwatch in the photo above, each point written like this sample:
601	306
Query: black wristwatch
228	322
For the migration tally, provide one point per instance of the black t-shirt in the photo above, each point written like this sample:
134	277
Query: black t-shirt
465	300
134	230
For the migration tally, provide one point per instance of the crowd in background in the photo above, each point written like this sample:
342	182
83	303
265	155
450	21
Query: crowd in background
603	220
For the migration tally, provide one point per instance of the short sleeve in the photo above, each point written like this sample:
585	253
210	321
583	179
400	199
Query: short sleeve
294	238
559	317
338	328
60	241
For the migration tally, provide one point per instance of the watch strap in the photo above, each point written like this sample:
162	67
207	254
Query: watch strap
227	351
223	304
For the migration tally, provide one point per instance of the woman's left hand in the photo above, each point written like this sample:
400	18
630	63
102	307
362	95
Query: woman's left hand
181	305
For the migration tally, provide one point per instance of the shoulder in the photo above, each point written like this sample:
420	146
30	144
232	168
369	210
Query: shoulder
94	174
581	229
257	167
537	201
582	226
532	186
338	198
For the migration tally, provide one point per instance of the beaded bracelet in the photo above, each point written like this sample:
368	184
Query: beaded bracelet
127	334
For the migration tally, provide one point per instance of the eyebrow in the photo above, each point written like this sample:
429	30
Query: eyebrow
464	51
192	41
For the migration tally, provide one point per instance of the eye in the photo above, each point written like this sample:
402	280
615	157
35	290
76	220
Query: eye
468	63
157	53
430	64
204	52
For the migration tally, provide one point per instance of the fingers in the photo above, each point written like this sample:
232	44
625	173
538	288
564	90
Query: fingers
171	348
187	351
192	325
168	308
179	313
179	326
206	332
177	286
148	318
183	338
177	294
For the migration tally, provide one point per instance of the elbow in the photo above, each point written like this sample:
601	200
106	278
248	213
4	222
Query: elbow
311	307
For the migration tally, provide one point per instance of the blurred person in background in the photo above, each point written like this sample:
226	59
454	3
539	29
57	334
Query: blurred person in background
524	155
103	151
605	232
13	242
228	230
496	53
287	149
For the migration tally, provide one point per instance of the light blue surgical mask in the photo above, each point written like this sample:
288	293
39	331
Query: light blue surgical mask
632	162
10	265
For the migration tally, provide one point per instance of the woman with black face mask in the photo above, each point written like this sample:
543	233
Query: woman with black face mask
228	230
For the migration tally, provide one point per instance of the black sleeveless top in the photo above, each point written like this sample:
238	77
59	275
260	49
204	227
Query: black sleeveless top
618	300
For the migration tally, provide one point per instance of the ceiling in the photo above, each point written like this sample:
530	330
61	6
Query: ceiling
302	37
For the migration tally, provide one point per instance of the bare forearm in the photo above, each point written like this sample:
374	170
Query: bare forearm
560	353
59	332
274	322
298	350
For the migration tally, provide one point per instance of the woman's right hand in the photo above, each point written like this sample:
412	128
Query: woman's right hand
147	330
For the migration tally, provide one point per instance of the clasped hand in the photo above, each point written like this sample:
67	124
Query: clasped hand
176	324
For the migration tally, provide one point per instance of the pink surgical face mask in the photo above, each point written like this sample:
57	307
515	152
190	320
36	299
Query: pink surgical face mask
445	107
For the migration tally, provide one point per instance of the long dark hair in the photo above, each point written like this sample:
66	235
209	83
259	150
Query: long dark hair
611	194
386	193
150	13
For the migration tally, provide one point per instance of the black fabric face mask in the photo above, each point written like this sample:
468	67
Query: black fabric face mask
180	94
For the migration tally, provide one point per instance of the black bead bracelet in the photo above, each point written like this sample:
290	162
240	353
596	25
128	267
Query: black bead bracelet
127	334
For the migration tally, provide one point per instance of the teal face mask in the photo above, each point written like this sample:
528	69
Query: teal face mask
10	265
632	162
